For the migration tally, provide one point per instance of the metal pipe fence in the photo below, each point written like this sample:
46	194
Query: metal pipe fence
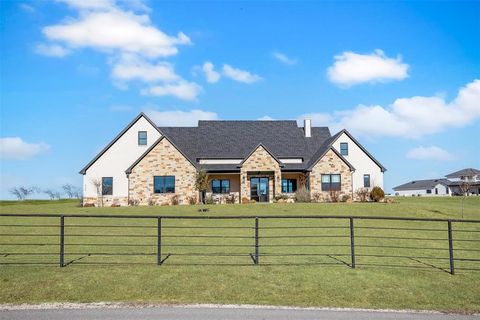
448	245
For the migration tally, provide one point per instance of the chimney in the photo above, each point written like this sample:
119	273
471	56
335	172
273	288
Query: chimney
307	127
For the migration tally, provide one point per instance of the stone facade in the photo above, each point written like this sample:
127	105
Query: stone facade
260	163
163	160
330	164
107	201
234	187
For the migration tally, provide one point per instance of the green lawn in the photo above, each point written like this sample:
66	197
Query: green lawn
313	279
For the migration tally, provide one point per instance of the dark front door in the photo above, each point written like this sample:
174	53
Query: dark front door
259	189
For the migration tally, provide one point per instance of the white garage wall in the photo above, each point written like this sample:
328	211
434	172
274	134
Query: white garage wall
361	162
442	191
118	158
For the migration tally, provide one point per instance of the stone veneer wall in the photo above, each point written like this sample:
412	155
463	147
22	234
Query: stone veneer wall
163	160
260	160
330	164
108	201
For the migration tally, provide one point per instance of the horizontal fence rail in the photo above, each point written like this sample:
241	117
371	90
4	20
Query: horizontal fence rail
448	245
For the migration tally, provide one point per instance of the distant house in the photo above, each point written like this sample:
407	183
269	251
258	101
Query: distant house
245	161
443	187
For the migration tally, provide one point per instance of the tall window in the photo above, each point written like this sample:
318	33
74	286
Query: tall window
366	181
289	185
344	148
331	182
107	186
221	186
164	184
142	138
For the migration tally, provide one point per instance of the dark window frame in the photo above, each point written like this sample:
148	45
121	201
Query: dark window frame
221	189
290	186
330	185
105	191
163	187
429	191
369	181
142	141
344	148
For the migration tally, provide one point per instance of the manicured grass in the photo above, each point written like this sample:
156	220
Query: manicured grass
310	281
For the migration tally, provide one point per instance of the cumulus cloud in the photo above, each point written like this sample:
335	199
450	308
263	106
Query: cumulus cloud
15	148
183	90
177	118
52	50
131	67
239	75
408	117
211	75
265	118
352	68
283	58
432	153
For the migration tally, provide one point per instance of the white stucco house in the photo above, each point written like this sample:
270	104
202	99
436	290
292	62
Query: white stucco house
245	161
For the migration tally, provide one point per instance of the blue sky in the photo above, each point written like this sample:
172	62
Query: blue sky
402	77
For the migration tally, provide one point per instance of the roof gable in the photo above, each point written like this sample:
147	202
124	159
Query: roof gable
324	152
255	150
138	117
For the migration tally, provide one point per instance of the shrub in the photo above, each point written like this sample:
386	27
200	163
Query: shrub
230	199
192	200
362	194
345	198
151	202
175	200
245	200
334	195
377	194
209	199
317	197
280	196
302	195
133	203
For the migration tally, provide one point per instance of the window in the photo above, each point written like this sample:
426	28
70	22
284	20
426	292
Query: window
142	138
331	182
344	149
429	191
107	186
436	190
289	185
221	186
366	181
164	184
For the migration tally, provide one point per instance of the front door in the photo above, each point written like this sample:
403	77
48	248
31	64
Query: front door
259	189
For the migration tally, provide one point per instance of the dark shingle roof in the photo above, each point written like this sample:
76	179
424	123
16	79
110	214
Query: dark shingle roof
237	139
464	173
422	184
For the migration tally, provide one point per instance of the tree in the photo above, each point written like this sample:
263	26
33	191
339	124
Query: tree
69	190
97	183
52	194
465	186
22	192
201	184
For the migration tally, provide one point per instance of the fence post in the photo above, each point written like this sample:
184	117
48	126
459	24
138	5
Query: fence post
450	248
352	242
256	240
62	241
159	241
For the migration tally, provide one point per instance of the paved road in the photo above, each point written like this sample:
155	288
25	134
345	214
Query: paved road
195	313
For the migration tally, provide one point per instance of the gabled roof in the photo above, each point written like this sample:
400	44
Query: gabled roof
422	184
255	149
468	172
129	170
84	170
323	151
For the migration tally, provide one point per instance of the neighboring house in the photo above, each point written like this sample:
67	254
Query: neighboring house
254	160
453	185
431	187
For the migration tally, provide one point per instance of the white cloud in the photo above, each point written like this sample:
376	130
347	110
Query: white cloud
14	148
211	75
177	118
239	75
429	153
89	4
52	50
182	90
131	67
351	68
26	7
284	59
414	117
118	30
265	118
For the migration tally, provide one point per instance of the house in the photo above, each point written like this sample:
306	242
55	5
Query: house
431	187
455	184
245	160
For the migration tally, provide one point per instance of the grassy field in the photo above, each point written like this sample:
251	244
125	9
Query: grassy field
288	274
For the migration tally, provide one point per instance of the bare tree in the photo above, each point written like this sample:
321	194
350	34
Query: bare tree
465	186
97	183
201	184
52	194
17	193
69	190
22	192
